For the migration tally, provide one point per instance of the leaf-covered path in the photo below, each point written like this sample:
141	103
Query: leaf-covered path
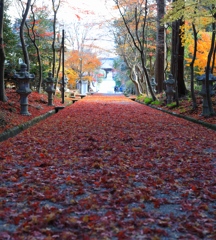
109	168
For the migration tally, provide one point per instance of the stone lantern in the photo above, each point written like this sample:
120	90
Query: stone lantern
202	79
153	84
170	85
50	88
23	78
65	84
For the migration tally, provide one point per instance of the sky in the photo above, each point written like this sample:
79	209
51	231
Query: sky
100	11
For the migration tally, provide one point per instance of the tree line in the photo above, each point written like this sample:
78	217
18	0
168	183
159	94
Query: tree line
36	38
155	38
152	38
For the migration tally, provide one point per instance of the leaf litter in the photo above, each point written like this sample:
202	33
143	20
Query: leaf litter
98	170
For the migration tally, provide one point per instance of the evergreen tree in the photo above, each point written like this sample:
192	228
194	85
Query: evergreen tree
12	52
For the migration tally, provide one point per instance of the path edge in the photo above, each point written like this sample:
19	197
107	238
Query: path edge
16	130
205	124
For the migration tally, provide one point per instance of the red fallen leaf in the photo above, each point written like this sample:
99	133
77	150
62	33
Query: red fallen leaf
13	179
78	192
94	217
109	213
97	184
16	220
194	188
34	204
53	176
146	230
42	155
156	203
123	174
3	191
68	178
121	235
160	232
85	237
204	207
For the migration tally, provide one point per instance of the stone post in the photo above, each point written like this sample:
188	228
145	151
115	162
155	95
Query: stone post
50	88
202	79
23	78
170	92
65	84
153	84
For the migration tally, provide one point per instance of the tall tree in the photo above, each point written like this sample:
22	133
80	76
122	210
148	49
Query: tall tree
3	96
55	7
134	15
177	58
160	50
194	106
132	59
201	14
208	64
34	25
22	38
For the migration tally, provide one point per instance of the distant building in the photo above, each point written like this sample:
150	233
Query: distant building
107	64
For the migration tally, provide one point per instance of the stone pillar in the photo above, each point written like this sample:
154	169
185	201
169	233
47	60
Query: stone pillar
170	86
50	88
65	84
202	79
23	78
153	84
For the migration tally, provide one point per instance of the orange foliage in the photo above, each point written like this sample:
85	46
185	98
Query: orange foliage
203	47
81	64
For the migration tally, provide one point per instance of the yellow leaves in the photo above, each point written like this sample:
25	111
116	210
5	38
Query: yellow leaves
34	219
72	220
178	170
85	218
50	217
203	46
81	62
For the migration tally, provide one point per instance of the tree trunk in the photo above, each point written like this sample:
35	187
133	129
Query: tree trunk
53	46
208	96
159	67
192	68
177	58
55	10
22	39
213	60
59	61
136	83
147	76
33	39
40	70
3	96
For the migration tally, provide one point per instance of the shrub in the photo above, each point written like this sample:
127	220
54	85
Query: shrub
147	100
171	105
156	102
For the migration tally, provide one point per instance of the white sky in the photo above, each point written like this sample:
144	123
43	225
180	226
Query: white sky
100	11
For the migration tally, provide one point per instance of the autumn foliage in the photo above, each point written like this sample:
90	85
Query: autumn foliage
109	168
203	46
81	64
